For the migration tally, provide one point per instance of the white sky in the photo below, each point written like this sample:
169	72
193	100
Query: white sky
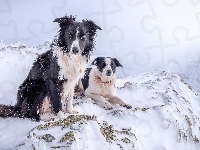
144	33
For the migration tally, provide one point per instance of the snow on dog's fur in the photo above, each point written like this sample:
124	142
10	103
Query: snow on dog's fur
50	83
98	82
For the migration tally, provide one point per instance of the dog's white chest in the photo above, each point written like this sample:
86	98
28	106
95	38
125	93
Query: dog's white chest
72	66
103	88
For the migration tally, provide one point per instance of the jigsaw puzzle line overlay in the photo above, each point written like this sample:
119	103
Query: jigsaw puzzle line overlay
164	47
146	50
43	31
32	34
110	43
189	37
156	28
108	30
104	13
9	10
160	46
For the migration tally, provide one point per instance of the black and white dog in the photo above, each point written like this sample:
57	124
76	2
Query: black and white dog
51	81
98	82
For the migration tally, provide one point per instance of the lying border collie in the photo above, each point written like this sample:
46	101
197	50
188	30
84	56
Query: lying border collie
51	81
99	81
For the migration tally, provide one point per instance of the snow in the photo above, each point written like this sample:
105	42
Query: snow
165	113
14	131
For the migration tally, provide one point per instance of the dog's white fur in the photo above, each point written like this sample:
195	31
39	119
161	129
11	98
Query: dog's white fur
107	67
101	89
75	43
72	69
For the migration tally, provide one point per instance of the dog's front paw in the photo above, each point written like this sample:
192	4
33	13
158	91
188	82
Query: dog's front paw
72	112
48	117
108	106
61	115
127	106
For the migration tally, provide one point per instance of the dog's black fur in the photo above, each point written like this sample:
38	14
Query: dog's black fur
85	79
43	78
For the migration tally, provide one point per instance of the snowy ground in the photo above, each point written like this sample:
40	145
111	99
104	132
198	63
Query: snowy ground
165	113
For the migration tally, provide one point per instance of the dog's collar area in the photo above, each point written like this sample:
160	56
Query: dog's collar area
107	82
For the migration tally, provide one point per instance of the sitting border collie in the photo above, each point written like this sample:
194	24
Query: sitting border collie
99	81
51	81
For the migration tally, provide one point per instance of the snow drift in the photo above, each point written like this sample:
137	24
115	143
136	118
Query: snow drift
165	113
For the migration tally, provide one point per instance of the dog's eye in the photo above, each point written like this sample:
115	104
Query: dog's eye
82	37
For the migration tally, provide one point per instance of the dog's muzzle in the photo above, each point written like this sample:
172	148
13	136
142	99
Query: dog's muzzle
75	50
108	72
75	47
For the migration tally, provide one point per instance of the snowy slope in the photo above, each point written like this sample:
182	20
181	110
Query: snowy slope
15	62
165	113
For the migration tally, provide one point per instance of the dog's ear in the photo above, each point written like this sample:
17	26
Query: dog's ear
91	26
65	21
96	61
117	63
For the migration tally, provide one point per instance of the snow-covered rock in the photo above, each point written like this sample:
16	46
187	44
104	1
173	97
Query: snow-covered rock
165	115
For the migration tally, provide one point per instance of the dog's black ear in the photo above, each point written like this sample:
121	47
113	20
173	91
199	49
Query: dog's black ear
65	21
91	26
96	61
117	63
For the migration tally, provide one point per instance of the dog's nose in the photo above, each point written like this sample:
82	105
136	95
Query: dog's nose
75	50
108	73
